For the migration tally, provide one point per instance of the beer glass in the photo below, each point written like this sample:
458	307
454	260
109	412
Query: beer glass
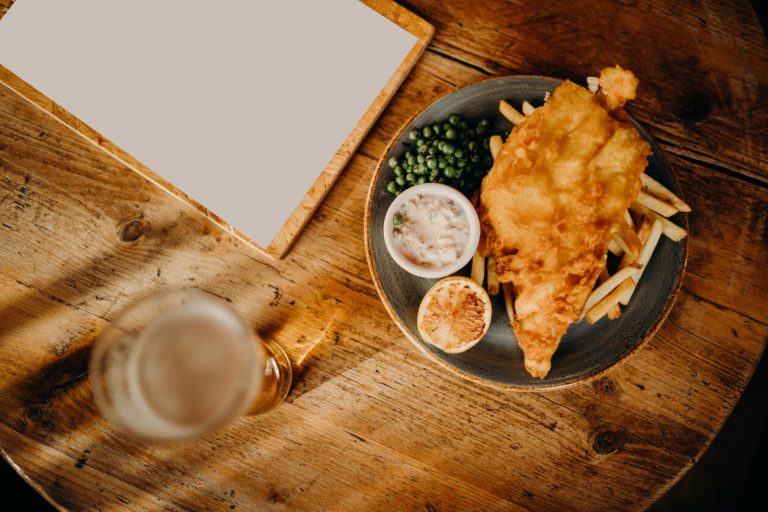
179	364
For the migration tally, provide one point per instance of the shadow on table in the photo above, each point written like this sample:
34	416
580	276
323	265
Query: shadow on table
731	474
57	397
42	398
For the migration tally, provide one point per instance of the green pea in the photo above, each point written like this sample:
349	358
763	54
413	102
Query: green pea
422	149
398	171
480	129
393	162
432	163
461	164
472	145
392	187
449	172
475	159
458	153
420	142
436	128
397	219
463	126
400	180
421	169
421	159
433	175
448	148
454	119
408	154
446	126
433	151
441	164
410	178
413	135
422	179
451	134
483	122
427	132
411	160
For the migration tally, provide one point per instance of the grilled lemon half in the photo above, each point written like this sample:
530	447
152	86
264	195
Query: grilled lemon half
454	315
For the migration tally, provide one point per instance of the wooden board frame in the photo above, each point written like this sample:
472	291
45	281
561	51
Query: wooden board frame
302	213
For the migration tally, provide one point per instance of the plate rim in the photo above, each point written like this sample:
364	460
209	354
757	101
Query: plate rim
465	374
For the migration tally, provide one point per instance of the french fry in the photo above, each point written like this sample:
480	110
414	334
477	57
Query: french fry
615	248
628	242
493	278
628	220
616	239
654	203
631	240
615	311
478	268
662	192
509	302
643	230
611	300
495	144
643	259
607	287
527	108
510	113
669	228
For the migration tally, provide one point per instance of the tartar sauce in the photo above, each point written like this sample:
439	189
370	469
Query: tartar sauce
431	230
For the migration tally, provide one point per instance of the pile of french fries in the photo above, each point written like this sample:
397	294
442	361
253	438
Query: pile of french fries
644	223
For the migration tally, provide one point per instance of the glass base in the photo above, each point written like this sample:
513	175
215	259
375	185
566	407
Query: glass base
278	377
285	376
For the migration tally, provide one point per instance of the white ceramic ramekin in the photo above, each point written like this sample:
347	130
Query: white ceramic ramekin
461	201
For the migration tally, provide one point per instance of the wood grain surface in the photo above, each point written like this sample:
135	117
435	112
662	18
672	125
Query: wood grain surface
371	424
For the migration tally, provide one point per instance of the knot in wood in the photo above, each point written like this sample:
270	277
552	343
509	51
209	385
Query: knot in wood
608	441
132	230
693	108
605	385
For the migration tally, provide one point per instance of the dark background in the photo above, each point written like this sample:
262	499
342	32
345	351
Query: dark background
731	475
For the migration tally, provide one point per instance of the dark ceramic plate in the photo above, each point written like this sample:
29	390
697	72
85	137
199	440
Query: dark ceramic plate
586	351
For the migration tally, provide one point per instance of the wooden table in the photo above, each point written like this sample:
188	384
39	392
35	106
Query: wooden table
371	424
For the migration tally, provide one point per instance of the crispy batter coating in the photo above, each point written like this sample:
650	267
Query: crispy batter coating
552	201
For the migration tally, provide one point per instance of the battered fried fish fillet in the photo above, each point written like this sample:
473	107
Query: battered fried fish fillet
552	201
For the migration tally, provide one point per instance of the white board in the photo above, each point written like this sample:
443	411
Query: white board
240	104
